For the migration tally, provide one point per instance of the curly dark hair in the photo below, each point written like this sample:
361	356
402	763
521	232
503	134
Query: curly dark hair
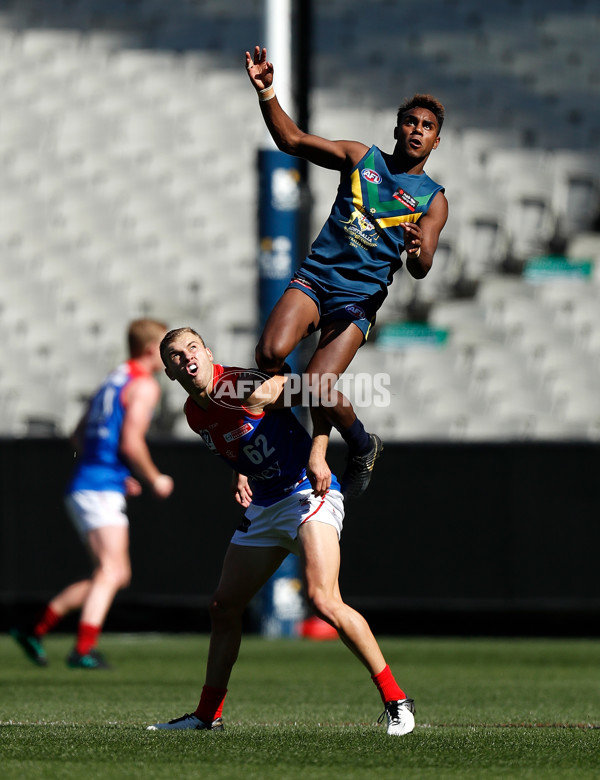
423	101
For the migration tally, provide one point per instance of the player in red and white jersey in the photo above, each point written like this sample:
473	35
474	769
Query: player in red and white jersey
253	442
249	425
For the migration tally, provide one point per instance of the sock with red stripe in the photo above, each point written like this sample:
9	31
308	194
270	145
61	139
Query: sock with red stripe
388	688
46	622
87	636
211	703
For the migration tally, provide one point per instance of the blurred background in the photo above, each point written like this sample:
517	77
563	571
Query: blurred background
128	187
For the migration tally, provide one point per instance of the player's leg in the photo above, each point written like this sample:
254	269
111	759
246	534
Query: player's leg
338	344
294	316
70	598
109	549
30	635
245	570
320	556
337	347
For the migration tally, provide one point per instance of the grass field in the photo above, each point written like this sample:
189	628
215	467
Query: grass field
297	709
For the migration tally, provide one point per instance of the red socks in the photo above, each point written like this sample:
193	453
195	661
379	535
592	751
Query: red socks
211	703
212	699
387	686
87	636
48	619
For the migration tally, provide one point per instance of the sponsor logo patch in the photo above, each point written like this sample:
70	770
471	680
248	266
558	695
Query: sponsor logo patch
371	176
355	311
406	199
239	432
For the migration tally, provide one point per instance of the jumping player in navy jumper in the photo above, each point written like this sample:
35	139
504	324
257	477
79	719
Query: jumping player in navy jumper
385	205
249	426
110	444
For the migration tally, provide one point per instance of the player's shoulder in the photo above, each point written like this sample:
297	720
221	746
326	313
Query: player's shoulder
439	204
143	388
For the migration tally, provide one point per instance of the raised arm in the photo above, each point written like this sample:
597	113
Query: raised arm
336	155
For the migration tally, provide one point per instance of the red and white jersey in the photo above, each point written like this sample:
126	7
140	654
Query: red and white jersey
270	448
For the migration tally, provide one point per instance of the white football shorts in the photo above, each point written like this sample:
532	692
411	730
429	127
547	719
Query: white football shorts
277	525
91	509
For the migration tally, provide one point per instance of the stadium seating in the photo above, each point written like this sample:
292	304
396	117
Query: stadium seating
127	150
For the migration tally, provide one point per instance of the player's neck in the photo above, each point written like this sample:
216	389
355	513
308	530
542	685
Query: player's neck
398	162
144	365
201	396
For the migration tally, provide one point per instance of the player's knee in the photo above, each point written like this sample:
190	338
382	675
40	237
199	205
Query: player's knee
125	576
223	614
270	356
118	574
122	576
325	607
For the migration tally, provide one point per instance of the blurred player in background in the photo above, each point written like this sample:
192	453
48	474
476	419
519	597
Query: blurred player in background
247	423
385	205
110	443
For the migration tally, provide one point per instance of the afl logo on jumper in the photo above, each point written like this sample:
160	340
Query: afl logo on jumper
371	176
355	311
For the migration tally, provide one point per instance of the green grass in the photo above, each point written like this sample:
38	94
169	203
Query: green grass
299	709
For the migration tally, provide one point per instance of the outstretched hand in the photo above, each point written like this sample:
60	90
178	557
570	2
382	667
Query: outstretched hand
260	72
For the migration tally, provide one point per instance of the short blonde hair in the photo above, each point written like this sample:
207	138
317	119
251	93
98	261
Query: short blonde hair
172	335
143	332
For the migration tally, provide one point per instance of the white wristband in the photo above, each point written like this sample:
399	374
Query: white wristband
263	94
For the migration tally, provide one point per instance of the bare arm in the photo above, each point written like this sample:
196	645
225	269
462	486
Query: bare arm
272	394
317	470
336	155
77	437
421	238
141	398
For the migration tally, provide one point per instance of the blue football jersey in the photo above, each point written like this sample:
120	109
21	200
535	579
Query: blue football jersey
358	249
100	466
